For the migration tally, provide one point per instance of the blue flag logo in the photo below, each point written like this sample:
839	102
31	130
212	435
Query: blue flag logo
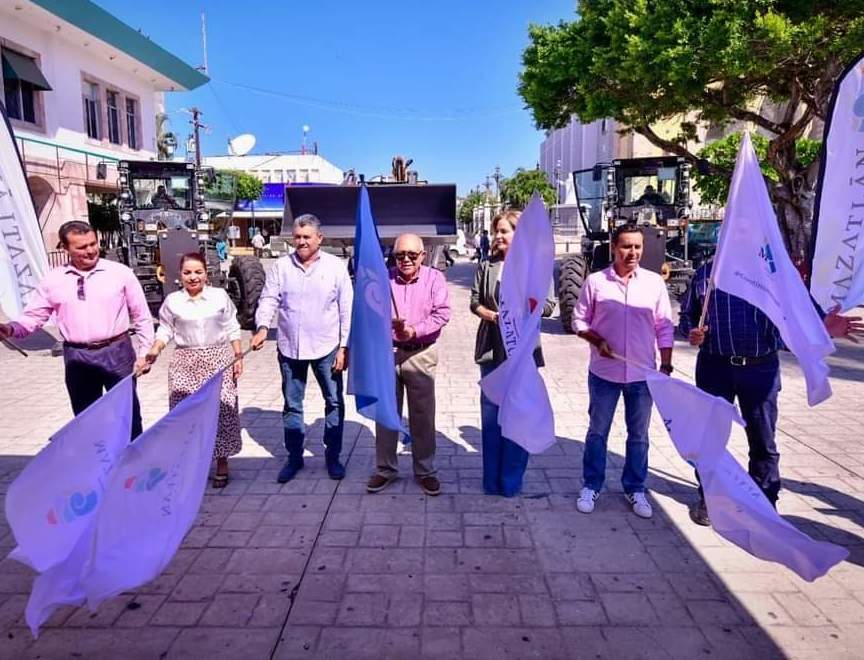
371	378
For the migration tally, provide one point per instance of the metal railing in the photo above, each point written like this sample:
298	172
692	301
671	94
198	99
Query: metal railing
58	258
66	164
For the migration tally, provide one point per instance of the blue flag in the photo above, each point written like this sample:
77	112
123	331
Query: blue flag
371	376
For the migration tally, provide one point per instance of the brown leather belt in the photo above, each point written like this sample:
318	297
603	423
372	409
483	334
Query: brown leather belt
97	344
408	346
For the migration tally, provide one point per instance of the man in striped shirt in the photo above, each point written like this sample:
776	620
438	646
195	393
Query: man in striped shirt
738	359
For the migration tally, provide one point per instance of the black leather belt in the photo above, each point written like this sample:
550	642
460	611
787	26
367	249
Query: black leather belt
744	361
97	344
408	346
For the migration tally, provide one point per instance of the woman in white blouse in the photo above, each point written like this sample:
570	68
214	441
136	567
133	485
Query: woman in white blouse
202	320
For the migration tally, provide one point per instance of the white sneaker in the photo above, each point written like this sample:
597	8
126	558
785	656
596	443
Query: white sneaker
641	505
586	500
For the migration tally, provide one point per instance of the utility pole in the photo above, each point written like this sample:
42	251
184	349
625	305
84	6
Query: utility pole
196	126
557	174
497	177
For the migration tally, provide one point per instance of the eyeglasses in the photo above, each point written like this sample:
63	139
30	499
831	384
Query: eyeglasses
411	256
81	294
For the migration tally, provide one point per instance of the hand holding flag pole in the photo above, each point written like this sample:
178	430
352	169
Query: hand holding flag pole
138	372
11	344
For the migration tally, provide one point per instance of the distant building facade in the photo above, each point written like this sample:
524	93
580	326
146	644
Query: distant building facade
80	88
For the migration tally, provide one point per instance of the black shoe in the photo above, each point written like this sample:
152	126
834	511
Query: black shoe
336	470
699	514
289	471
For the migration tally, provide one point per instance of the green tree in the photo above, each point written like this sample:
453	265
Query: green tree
472	200
517	190
713	186
248	186
771	63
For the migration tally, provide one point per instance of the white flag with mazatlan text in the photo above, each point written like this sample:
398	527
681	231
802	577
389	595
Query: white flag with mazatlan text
699	425
150	500
752	263
516	386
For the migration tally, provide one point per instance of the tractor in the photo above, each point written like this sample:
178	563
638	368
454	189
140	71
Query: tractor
653	193
167	209
401	203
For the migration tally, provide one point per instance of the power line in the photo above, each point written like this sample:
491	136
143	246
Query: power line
223	108
384	112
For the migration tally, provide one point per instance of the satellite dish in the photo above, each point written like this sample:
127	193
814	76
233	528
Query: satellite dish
241	145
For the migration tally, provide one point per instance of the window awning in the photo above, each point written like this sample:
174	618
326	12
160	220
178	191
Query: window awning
24	69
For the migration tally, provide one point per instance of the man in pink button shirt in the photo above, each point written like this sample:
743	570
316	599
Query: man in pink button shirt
625	314
97	302
422	308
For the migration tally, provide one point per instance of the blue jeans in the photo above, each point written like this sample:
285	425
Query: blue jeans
294	373
504	462
603	397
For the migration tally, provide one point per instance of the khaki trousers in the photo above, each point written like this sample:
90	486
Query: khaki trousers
415	380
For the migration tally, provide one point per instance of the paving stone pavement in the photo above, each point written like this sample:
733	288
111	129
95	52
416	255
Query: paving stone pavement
315	568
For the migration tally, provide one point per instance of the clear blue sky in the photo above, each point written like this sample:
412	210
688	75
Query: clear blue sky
434	81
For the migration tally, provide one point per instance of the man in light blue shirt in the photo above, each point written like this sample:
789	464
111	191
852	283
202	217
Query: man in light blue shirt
311	291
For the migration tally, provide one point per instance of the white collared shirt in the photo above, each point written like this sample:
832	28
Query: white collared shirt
208	319
313	304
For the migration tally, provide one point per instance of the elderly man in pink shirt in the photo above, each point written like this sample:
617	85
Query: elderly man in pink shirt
421	307
98	304
625	314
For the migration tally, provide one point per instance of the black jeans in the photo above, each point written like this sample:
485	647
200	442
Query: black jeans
92	371
756	388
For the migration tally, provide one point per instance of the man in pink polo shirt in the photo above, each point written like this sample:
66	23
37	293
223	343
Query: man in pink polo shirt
625	314
97	303
421	309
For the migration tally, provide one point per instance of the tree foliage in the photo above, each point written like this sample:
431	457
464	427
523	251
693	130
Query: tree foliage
713	187
248	187
472	200
769	63
516	191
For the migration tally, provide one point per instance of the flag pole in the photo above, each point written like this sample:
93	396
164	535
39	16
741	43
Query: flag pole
393	300
707	300
236	359
11	344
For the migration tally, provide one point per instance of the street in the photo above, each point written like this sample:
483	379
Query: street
318	568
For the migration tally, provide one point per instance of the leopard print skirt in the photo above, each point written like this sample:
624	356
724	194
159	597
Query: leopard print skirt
190	368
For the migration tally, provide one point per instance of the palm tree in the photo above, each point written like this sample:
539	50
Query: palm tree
164	137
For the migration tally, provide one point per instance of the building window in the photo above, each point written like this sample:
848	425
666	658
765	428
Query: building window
278	176
22	79
132	123
91	109
111	100
290	176
603	127
313	175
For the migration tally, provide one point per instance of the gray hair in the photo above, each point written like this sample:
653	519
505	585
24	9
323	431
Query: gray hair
308	220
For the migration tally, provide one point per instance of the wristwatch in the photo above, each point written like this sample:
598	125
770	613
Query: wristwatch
666	368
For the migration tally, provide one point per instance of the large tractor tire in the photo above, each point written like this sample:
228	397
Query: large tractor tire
574	270
246	283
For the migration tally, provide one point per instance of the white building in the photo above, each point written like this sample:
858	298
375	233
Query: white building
281	168
580	146
80	88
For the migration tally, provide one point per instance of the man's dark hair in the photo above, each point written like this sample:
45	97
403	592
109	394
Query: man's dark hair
625	229
73	227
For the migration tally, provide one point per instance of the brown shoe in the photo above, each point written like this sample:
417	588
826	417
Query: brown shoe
377	482
430	485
